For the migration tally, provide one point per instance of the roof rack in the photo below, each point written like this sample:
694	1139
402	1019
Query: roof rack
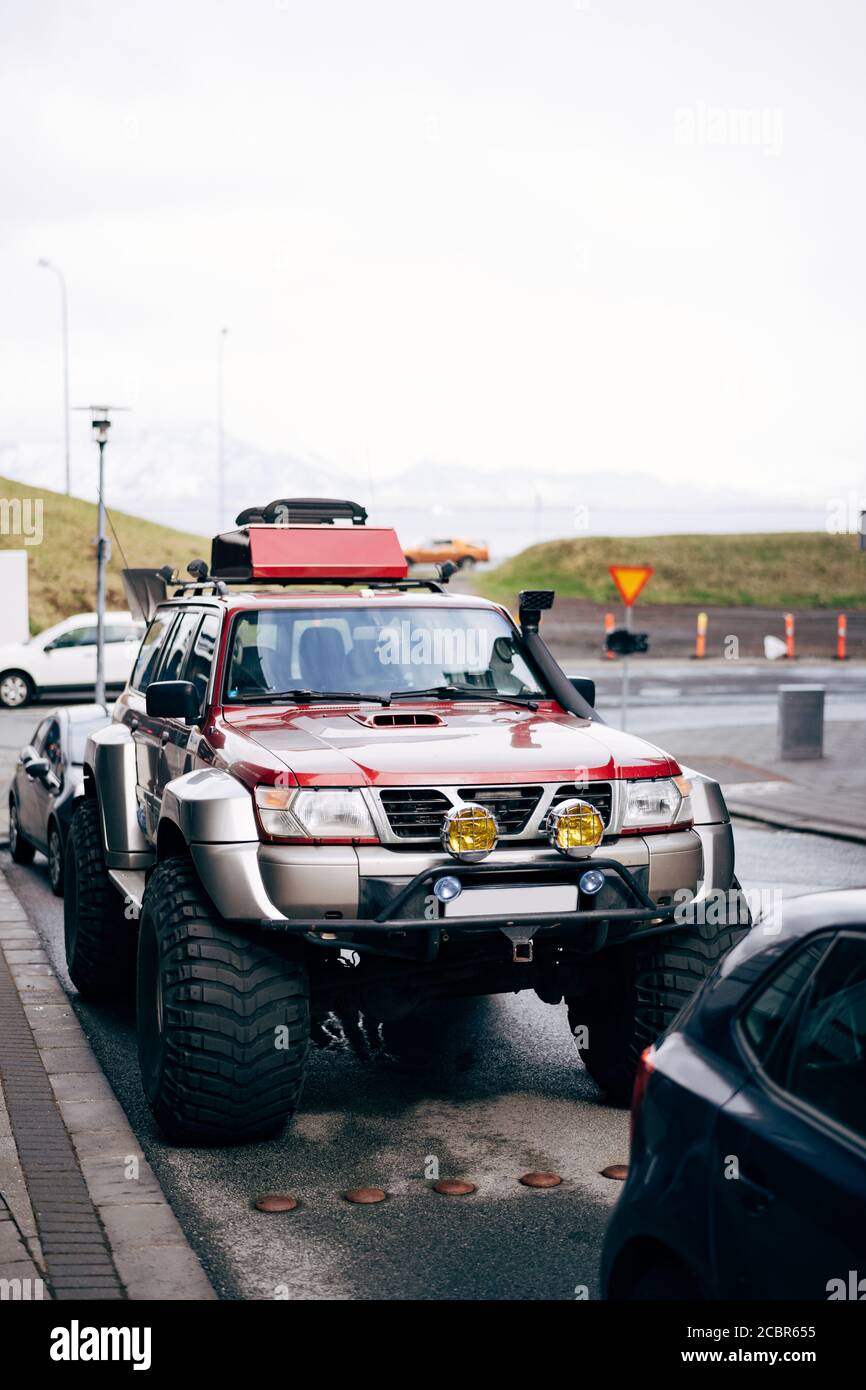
303	511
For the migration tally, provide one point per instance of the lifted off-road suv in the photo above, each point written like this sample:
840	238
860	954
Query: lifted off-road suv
328	787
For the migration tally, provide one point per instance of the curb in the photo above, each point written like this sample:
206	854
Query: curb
744	806
119	1205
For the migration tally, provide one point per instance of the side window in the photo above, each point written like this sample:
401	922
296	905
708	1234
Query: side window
145	664
122	632
53	748
771	1014
38	739
178	645
198	667
77	637
827	1067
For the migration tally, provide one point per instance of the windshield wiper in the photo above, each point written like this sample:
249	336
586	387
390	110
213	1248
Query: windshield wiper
309	697
447	692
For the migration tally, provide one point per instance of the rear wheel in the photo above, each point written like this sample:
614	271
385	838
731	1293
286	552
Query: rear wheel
100	942
223	1021
55	860
16	689
638	995
21	850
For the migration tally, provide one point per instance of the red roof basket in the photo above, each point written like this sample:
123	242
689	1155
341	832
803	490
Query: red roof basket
297	540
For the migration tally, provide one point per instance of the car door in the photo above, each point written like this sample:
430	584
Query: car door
29	801
69	661
152	733
178	749
788	1176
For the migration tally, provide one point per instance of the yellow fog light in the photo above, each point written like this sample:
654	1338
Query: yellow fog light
469	832
574	827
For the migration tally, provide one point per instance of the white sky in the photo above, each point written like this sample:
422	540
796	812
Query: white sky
486	234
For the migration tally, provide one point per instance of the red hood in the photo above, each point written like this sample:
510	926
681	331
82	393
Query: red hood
493	743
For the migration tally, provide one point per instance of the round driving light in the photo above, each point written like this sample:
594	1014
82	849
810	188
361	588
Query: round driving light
469	832
591	881
447	888
574	827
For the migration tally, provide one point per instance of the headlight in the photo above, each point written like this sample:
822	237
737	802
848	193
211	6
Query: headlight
328	814
469	832
574	827
651	804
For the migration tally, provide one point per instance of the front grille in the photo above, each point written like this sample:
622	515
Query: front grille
512	806
414	813
598	794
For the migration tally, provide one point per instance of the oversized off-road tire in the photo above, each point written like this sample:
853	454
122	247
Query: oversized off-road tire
640	990
100	939
223	1020
21	850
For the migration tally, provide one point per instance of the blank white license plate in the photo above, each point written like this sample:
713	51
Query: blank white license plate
513	902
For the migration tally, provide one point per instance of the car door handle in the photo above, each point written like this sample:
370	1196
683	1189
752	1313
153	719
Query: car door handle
756	1197
164	737
133	724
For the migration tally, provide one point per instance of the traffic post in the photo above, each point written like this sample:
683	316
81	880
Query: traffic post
629	580
701	637
842	638
609	625
789	636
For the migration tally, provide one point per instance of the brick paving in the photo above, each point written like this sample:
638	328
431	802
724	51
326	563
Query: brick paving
77	1259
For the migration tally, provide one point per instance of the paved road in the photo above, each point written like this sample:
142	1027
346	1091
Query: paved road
494	1095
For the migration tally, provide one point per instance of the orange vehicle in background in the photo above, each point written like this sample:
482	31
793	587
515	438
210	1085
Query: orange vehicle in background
464	554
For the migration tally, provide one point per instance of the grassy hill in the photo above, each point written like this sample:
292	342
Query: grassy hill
784	570
62	569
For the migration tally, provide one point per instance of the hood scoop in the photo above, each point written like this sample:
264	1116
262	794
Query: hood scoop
410	719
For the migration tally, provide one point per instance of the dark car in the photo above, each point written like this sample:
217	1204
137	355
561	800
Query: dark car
48	779
748	1165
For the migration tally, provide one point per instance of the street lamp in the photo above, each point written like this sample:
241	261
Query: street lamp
45	264
101	425
221	342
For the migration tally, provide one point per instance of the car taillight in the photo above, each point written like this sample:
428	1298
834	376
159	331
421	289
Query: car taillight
645	1069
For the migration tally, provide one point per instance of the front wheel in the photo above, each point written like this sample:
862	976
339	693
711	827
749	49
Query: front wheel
640	991
16	689
223	1021
55	860
21	850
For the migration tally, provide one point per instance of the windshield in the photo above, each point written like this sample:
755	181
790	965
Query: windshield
376	651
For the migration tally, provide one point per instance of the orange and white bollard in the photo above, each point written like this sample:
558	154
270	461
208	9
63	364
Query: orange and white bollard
842	638
789	636
701	636
609	625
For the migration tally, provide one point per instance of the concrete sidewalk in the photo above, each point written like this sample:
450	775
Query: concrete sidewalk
826	796
81	1212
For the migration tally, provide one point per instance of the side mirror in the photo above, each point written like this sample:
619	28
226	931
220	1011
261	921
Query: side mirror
173	700
27	754
51	646
585	687
38	769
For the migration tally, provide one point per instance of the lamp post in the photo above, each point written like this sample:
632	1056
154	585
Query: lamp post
45	264
221	342
101	425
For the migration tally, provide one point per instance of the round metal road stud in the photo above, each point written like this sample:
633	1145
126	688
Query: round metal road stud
617	1171
365	1196
276	1201
573	827
540	1180
469	832
453	1187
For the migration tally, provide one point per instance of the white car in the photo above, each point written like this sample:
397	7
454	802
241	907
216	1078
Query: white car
62	659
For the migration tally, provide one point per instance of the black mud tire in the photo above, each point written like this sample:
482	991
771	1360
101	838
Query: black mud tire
100	939
223	1020
21	850
638	994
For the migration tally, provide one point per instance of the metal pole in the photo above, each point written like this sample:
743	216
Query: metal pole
625	660
220	441
100	582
